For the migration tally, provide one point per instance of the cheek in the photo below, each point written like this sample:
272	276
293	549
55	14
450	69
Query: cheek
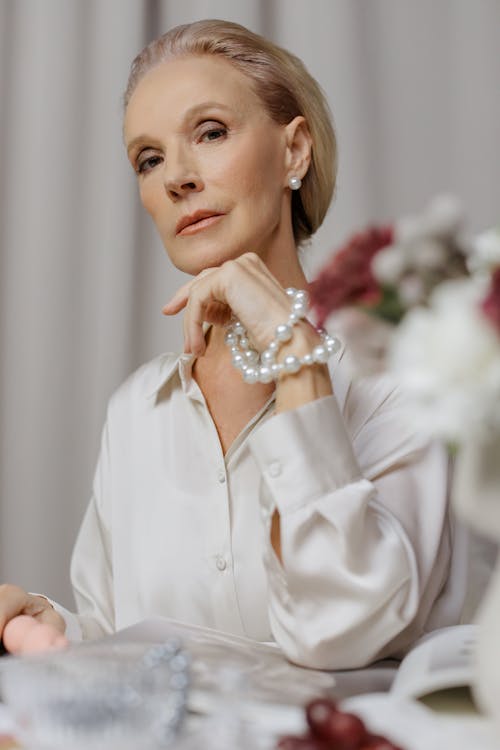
255	174
150	195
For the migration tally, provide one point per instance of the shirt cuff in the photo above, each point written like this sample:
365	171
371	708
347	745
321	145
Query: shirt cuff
305	453
73	630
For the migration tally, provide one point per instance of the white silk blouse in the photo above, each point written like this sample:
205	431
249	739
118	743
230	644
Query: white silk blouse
176	528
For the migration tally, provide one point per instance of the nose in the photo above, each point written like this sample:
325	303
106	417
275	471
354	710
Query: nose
180	177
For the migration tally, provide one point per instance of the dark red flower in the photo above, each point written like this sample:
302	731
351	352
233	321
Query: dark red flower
347	279
491	304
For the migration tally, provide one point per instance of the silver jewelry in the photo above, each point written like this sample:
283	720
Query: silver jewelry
263	368
294	182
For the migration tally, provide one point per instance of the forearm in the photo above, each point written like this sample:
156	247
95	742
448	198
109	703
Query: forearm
308	384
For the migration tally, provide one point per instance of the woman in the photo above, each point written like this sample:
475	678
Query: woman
287	503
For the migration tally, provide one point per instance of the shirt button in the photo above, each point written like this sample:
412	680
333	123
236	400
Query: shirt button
274	469
221	476
221	563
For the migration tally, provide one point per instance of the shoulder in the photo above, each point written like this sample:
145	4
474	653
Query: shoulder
359	396
377	417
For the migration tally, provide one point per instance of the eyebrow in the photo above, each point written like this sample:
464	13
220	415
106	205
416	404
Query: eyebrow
188	115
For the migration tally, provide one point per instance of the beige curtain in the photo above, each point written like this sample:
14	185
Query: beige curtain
414	88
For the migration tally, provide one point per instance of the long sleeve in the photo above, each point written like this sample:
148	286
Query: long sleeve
364	534
91	566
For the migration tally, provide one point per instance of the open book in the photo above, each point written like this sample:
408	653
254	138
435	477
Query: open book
441	659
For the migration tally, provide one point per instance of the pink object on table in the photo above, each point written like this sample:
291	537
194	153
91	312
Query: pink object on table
24	635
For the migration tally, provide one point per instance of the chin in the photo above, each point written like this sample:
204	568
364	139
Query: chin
195	259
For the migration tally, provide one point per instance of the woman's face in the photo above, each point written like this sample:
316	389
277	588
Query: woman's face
212	166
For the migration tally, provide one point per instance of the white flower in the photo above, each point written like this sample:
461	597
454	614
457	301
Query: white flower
447	358
411	290
430	254
442	218
389	264
485	251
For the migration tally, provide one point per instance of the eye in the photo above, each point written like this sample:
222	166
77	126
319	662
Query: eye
212	131
146	161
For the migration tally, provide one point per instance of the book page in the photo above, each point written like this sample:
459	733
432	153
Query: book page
441	659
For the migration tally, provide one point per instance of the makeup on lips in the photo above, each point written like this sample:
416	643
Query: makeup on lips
197	222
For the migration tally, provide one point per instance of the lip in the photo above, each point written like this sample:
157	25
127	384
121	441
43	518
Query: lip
197	221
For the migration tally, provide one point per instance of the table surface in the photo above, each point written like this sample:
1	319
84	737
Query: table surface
456	702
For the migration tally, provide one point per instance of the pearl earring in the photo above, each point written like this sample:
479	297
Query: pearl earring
294	182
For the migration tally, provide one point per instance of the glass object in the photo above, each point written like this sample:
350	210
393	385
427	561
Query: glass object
98	696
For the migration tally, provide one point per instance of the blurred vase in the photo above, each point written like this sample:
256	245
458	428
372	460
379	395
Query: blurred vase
476	497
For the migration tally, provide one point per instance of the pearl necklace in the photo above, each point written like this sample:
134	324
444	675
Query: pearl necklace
263	368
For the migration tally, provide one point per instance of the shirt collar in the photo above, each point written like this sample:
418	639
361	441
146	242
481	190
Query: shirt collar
160	371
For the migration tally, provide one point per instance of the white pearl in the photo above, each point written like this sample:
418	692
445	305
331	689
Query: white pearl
274	346
239	329
283	332
238	360
307	359
251	375
231	338
276	369
251	356
299	307
291	291
302	294
291	363
293	318
265	374
333	345
244	342
267	357
320	353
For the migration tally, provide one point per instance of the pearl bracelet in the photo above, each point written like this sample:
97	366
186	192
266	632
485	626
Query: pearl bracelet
263	368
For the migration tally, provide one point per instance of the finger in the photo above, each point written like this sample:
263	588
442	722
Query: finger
15	632
49	616
177	302
13	601
187	345
181	296
42	610
42	638
194	320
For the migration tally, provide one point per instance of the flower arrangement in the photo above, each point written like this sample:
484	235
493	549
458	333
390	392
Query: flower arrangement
436	295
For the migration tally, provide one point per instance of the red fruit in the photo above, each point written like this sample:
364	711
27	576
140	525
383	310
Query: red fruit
318	714
344	731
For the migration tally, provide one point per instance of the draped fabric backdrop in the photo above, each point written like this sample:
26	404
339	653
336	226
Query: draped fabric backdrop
414	88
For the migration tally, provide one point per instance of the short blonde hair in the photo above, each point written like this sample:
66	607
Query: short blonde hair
285	88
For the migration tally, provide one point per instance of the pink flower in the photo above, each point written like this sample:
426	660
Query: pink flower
491	304
347	279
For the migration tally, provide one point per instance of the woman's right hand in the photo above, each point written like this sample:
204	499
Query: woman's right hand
29	623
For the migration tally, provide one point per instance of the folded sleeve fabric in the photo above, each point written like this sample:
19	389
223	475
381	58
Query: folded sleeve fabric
362	521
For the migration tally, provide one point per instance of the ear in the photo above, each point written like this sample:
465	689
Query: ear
298	147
